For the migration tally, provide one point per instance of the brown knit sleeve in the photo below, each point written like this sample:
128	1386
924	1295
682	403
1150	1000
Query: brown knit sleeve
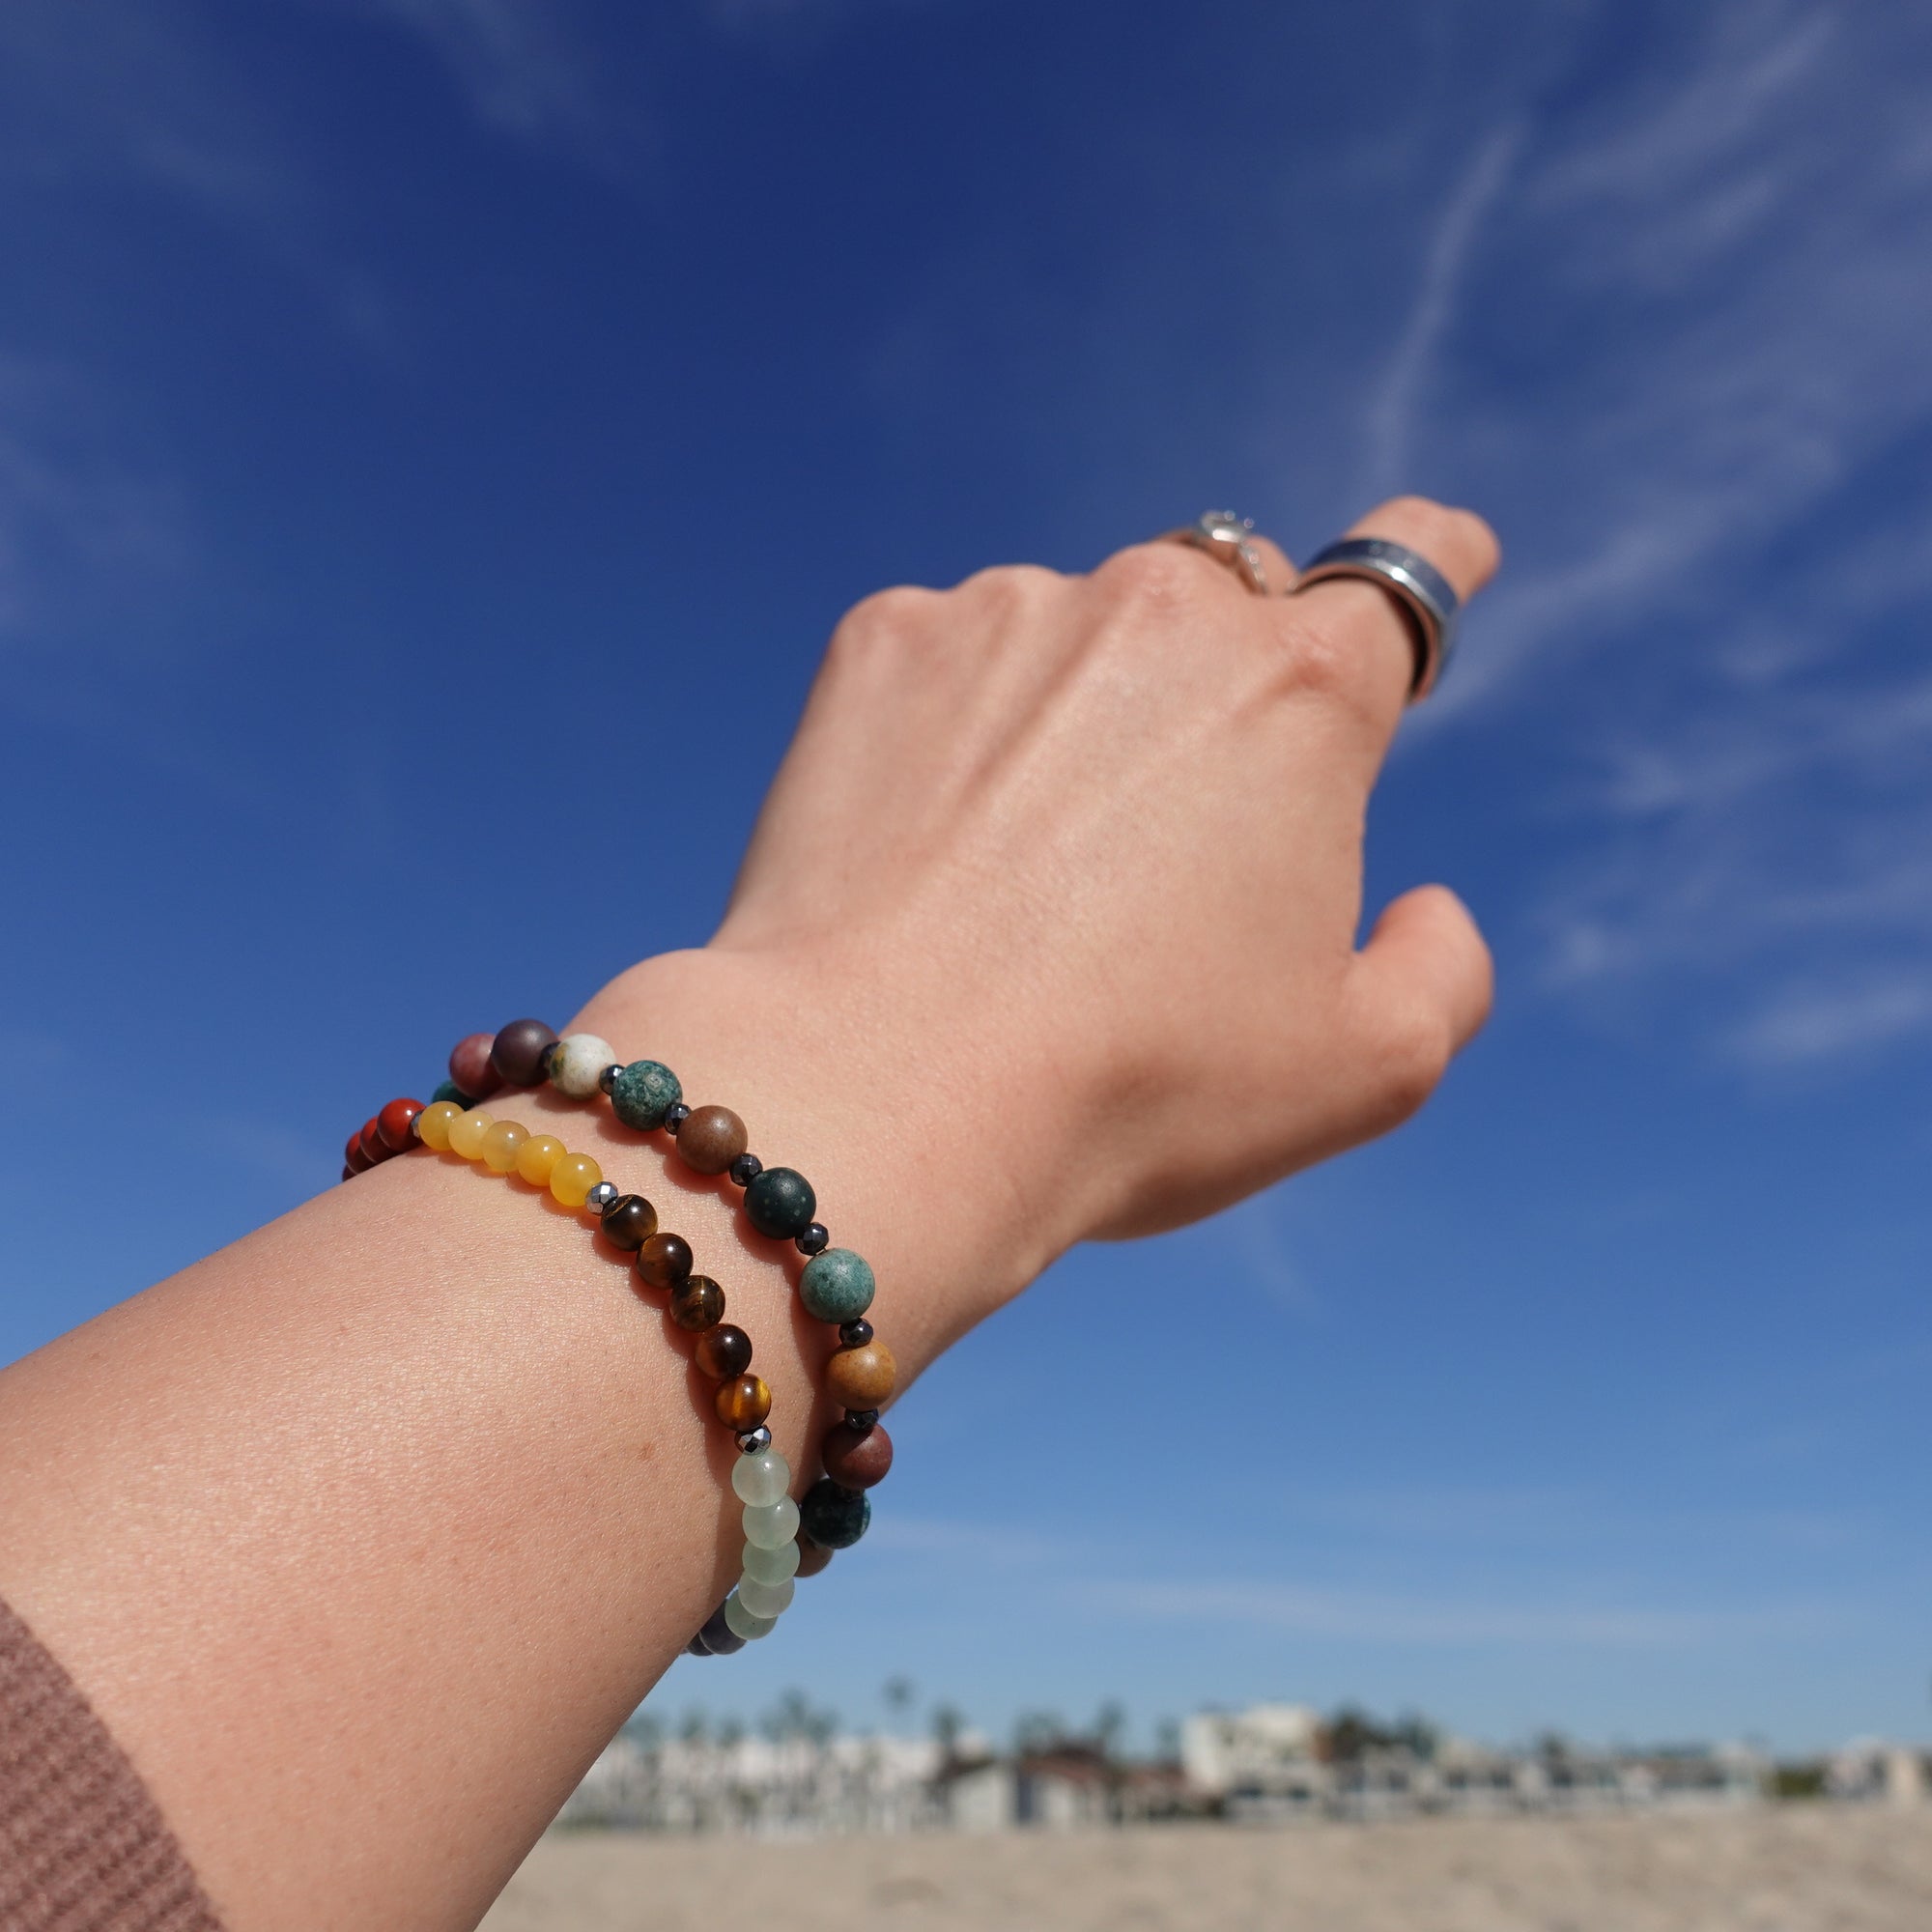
82	1846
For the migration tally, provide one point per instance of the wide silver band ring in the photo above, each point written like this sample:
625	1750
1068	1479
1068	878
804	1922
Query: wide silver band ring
1426	596
1224	536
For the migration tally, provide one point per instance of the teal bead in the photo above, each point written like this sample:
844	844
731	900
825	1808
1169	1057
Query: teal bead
643	1093
450	1091
837	1286
834	1517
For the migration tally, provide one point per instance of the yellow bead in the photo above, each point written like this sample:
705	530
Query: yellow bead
466	1134
433	1124
573	1176
537	1156
500	1145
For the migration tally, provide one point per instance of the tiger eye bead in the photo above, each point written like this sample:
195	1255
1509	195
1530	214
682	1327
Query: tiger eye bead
572	1177
665	1259
742	1403
856	1459
779	1203
697	1304
861	1377
519	1049
466	1134
629	1222
393	1123
724	1353
469	1066
537	1156
500	1145
710	1139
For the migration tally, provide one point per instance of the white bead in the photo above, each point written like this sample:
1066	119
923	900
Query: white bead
740	1622
770	1566
574	1062
772	1525
765	1600
762	1478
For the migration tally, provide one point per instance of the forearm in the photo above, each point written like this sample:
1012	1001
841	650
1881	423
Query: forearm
396	1509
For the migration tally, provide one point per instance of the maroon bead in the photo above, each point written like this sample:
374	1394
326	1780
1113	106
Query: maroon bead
724	1353
856	1459
519	1050
353	1158
371	1142
812	1557
392	1124
665	1259
469	1066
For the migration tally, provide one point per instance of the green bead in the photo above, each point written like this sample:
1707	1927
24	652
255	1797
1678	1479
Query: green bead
450	1091
835	1518
837	1286
740	1622
770	1566
643	1093
779	1203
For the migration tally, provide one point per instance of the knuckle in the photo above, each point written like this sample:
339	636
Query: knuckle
1153	577
1013	589
882	620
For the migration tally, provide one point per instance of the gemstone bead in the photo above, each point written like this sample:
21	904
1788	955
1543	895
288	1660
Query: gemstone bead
762	1478
723	1353
862	1419
433	1124
835	1515
710	1139
718	1637
754	1441
675	1116
392	1124
837	1286
746	1169
572	1176
371	1142
771	1566
642	1093
353	1157
697	1304
576	1062
467	1131
517	1050
469	1067
812	1557
765	1600
350	1173
665	1259
742	1623
856	1459
855	1334
861	1377
742	1403
448	1089
537	1156
770	1524
500	1145
812	1240
698	1647
629	1222
602	1199
780	1202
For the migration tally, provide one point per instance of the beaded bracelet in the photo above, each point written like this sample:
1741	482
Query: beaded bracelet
761	1477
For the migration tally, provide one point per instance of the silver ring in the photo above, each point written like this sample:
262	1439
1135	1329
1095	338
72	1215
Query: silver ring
1426	596
1224	536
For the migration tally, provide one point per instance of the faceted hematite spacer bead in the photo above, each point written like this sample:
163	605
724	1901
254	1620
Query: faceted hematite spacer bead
780	1202
576	1062
471	1073
641	1094
665	1259
862	1418
762	1478
517	1050
855	1334
746	1169
814	1241
718	1637
697	1304
603	1198
675	1118
856	1459
607	1077
629	1221
837	1286
709	1139
394	1121
755	1441
742	1623
835	1515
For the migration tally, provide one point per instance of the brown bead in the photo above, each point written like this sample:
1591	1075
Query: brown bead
812	1557
711	1139
469	1066
697	1304
856	1459
723	1351
629	1222
665	1259
861	1377
517	1050
743	1403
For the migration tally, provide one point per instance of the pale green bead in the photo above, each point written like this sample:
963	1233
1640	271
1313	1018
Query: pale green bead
770	1566
740	1621
762	1478
765	1600
771	1524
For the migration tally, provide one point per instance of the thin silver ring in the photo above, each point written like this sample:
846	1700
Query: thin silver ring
1427	599
1224	536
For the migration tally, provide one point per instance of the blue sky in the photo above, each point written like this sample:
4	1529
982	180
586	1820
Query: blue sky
390	382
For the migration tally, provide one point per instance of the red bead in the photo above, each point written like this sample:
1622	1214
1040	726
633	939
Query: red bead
469	1066
854	1459
392	1124
371	1142
353	1158
349	1174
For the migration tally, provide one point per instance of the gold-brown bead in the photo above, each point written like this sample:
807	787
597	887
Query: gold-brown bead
743	1403
711	1139
862	1378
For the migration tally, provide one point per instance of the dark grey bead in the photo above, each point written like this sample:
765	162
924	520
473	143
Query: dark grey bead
863	1418
698	1647
746	1169
856	1334
544	1060
602	1196
719	1638
675	1119
779	1203
833	1516
608	1076
814	1241
752	1440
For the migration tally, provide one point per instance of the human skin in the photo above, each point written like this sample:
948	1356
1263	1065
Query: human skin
365	1534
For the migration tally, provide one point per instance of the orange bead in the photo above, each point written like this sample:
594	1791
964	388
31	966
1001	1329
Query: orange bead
743	1403
537	1156
572	1177
862	1378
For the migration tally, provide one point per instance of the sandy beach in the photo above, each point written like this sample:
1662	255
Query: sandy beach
1792	1868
